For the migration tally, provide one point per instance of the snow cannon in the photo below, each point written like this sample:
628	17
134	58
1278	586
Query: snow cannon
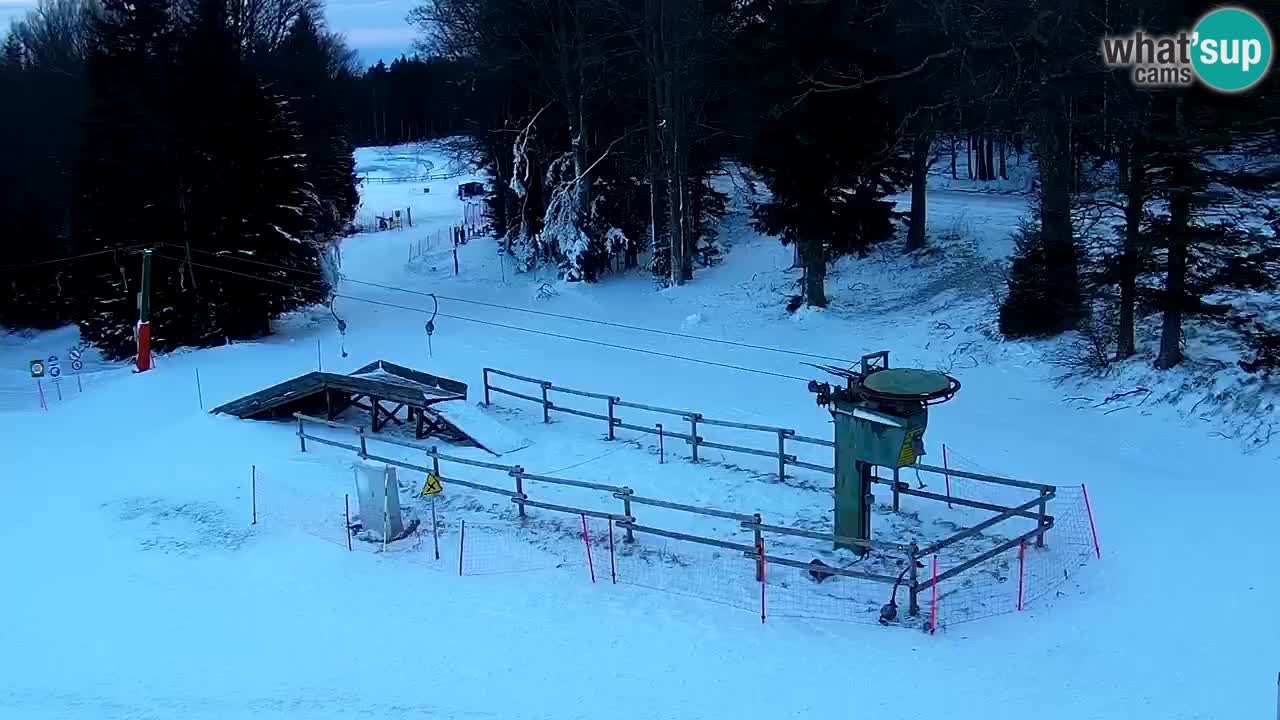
880	417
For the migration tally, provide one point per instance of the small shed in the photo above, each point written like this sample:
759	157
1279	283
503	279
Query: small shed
469	190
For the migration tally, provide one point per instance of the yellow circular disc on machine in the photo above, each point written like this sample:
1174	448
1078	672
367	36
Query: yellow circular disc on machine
907	382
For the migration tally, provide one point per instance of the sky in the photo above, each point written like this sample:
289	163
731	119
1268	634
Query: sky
375	28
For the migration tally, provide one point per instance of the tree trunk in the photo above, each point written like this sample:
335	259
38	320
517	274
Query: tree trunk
578	126
814	253
990	164
919	180
1133	177
673	139
1003	149
1179	223
968	155
1064	298
953	157
653	162
979	158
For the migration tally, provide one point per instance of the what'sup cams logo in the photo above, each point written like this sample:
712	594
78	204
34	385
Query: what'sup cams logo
1228	50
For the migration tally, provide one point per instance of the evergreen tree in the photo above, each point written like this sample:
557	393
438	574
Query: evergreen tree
312	69
42	83
828	158
125	172
185	145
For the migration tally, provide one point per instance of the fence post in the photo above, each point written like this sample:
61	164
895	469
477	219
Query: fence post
517	472
346	511
1022	562
435	528
386	505
782	455
897	497
628	536
462	544
253	492
613	564
302	438
435	461
759	539
763	584
364	449
947	476
933	601
612	400
693	433
661	452
1044	508
586	540
913	555
546	404
486	387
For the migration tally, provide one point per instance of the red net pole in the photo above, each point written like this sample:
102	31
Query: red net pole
1092	528
613	564
933	600
947	476
1022	562
586	540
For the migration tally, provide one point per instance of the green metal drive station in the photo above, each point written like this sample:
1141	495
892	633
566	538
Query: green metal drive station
880	418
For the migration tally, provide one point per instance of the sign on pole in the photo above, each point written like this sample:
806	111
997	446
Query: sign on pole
37	372
55	372
76	364
431	490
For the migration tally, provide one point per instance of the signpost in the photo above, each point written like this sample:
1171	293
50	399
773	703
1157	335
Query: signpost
37	372
431	489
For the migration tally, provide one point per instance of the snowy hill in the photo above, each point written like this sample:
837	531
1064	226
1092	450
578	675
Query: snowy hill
140	587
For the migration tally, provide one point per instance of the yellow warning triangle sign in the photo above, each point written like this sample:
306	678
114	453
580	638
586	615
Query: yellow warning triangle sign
433	486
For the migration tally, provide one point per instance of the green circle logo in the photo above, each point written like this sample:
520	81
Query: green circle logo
1231	49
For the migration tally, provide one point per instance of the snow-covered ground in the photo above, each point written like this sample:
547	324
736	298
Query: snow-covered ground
136	586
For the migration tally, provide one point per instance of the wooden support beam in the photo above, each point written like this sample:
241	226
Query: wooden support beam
375	407
392	415
417	427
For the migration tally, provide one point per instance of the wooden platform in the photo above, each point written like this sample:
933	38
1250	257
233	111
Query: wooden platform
373	387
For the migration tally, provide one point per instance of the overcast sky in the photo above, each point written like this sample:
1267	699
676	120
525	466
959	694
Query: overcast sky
376	28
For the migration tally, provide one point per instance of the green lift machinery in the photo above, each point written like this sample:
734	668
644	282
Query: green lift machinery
880	417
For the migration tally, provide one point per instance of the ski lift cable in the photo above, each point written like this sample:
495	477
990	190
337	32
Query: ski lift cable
70	258
560	316
571	338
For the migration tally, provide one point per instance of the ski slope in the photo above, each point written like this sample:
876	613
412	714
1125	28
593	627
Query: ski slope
137	587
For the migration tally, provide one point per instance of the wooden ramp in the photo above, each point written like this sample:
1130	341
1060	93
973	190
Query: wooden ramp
382	388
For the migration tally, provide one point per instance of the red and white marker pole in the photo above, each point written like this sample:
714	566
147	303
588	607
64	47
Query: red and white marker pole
144	315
